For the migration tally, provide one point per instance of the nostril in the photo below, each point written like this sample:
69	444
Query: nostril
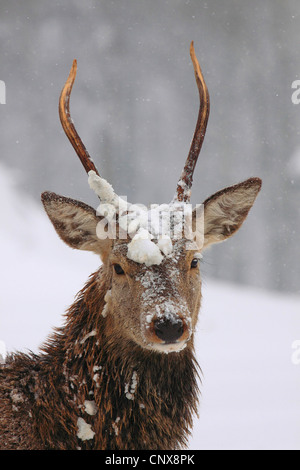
168	330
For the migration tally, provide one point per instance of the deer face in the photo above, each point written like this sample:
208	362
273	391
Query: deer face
156	305
154	291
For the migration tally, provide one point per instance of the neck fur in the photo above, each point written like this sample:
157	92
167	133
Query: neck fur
139	399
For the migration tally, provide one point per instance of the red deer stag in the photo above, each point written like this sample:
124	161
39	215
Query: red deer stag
121	373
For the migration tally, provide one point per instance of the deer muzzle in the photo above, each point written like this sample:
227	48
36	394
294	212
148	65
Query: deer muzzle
167	333
169	330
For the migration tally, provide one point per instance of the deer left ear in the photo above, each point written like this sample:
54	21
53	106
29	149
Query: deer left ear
75	223
226	210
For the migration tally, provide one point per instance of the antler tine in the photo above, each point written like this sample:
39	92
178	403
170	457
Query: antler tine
67	123
185	183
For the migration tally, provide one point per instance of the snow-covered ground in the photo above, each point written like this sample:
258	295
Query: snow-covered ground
245	338
251	384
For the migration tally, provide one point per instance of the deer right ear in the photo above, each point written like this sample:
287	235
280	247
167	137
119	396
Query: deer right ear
226	210
75	223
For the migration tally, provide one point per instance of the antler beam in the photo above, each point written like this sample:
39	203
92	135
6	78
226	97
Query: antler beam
67	123
185	183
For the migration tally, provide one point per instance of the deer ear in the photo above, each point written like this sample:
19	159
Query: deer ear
226	210
75	223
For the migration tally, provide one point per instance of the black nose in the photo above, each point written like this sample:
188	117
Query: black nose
168	330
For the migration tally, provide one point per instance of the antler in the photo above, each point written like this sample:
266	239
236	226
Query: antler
185	183
67	123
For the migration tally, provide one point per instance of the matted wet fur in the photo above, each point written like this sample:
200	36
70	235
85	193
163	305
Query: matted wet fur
43	396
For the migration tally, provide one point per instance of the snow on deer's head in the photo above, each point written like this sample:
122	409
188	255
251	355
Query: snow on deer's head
151	256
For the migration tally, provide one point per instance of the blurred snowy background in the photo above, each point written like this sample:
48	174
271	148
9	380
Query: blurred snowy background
135	106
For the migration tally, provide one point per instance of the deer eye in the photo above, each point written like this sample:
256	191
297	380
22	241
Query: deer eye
118	269
194	263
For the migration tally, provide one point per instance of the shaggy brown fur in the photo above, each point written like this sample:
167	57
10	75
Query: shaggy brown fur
43	396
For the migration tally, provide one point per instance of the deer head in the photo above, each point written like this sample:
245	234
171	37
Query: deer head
153	285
